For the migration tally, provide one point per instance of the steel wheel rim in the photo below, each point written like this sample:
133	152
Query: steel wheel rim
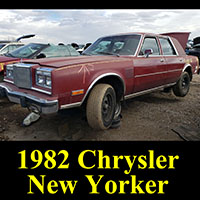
185	82
107	108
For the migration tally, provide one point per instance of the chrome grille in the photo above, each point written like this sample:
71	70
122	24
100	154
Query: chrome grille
22	75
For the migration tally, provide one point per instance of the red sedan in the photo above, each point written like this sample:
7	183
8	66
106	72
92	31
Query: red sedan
112	69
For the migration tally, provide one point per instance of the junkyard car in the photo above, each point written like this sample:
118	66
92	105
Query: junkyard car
194	47
36	51
7	46
112	69
195	51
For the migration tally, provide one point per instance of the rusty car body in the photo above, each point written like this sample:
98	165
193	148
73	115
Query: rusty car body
112	69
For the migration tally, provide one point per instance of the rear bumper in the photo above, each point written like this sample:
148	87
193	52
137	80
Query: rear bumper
33	102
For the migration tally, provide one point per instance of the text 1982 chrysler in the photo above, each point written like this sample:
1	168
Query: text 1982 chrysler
112	69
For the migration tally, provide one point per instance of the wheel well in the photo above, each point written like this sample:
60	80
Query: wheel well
189	71
115	82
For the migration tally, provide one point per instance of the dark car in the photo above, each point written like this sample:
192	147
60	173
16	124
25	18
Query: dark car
36	51
195	51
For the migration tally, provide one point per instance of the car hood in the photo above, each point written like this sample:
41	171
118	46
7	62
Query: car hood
4	59
68	61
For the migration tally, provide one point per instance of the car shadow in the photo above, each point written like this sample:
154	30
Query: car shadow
72	123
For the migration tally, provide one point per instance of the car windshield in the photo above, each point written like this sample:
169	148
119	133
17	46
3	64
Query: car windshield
59	51
2	45
114	45
26	51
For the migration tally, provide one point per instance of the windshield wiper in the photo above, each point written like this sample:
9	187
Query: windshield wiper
108	53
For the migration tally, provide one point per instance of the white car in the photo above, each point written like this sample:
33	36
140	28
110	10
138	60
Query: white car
8	46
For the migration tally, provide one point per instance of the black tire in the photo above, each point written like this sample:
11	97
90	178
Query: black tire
100	108
182	86
118	109
117	116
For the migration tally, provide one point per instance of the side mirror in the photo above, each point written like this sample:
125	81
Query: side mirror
148	52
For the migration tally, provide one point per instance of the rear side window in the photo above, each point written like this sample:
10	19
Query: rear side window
167	47
59	51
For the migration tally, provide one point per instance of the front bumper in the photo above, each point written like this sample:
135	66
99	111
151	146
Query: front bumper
30	101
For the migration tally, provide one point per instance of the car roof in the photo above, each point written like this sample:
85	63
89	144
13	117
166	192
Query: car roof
137	33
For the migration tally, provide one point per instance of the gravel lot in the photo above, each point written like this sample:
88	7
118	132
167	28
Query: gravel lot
148	117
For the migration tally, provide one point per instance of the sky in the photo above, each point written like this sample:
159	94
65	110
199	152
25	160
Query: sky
87	25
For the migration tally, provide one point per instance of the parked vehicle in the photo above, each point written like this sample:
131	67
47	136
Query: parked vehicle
112	69
36	51
83	47
8	46
194	49
80	47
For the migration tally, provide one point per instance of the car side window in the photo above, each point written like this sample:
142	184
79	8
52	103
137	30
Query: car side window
12	47
167	47
5	50
150	43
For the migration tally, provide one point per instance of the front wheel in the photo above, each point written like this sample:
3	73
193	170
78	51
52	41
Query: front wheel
100	109
182	86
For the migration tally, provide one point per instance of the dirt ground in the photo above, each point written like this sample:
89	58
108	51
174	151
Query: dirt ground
149	117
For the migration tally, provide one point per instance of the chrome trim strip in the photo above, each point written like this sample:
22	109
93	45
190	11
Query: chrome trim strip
177	54
185	66
157	73
19	64
147	91
71	105
40	90
150	56
139	43
9	81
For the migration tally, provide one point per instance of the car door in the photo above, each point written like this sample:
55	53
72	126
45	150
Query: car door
174	62
149	70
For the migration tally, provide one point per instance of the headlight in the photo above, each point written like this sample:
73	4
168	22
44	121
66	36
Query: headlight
48	81
40	79
9	71
43	77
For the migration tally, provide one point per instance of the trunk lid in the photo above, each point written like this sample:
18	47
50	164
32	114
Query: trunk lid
182	37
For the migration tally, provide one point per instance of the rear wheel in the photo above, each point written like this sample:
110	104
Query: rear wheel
182	86
100	109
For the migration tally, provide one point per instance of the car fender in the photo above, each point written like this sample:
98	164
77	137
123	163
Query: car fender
186	66
101	76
